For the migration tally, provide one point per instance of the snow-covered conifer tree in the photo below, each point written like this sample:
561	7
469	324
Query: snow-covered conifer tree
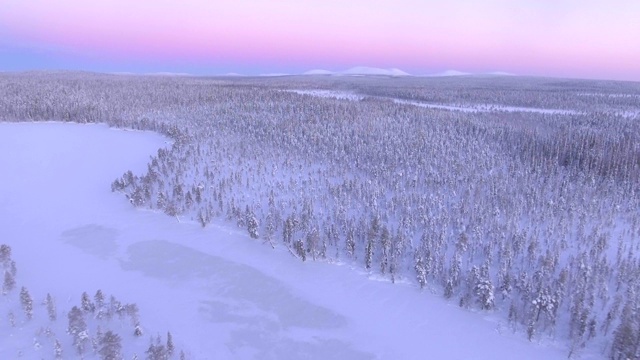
110	346
13	269
87	305
12	319
99	299
484	292
298	246
252	224
133	311
368	253
137	331
156	350
9	283
170	345
421	273
5	254
51	307
385	248
27	302
350	243
57	350
77	323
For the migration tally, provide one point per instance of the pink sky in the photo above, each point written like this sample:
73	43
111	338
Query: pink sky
569	38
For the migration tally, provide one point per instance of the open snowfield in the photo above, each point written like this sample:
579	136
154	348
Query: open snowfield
353	96
220	293
335	94
486	108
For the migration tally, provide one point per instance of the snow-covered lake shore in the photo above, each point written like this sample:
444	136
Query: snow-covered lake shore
221	294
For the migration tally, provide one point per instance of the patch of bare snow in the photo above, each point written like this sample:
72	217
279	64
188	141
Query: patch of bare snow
335	94
449	73
486	108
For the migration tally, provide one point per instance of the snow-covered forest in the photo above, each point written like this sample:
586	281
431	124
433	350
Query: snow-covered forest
516	196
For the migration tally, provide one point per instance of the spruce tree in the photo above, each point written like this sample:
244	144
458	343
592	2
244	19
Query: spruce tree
5	254
57	350
170	346
77	323
421	273
51	308
484	292
137	331
87	305
9	283
99	299
27	302
110	346
252	224
298	245
156	350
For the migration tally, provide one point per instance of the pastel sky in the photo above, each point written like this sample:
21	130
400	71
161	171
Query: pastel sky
563	38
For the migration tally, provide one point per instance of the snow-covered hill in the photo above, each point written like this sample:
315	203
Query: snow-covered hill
363	70
450	73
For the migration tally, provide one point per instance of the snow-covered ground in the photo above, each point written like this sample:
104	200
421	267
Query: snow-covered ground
347	95
220	293
487	108
629	96
334	94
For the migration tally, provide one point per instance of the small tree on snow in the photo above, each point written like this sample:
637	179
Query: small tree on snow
114	307
5	254
421	271
101	310
350	244
51	308
137	331
27	302
170	346
368	253
298	246
57	350
252	224
13	269
484	291
156	350
12	319
99	299
544	303
77	323
36	344
203	218
87	305
132	310
448	289
110	346
531	329
9	283
96	340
